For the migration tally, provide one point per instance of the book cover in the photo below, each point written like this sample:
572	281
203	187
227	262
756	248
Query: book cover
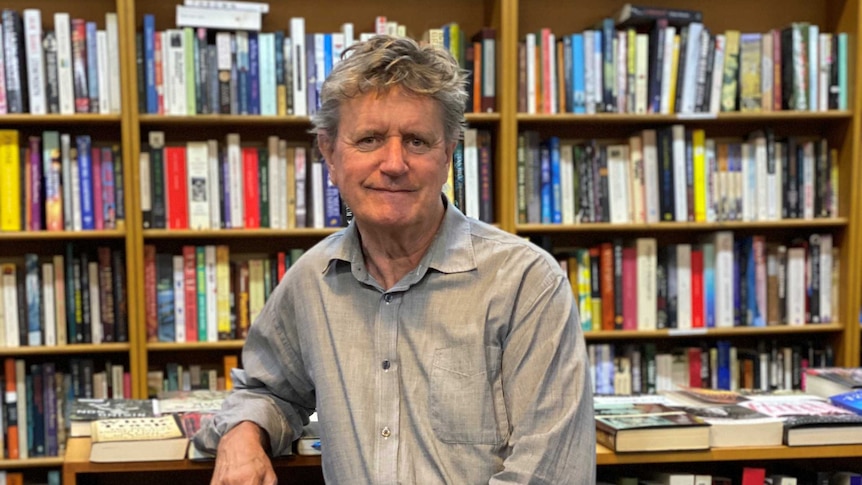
851	401
626	427
138	439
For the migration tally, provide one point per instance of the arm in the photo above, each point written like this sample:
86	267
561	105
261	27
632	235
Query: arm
274	390
547	387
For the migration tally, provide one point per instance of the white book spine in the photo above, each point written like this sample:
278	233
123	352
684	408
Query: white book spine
692	55
21	391
650	162
724	287
300	76
567	182
637	202
348	31
175	72
531	73
35	60
766	72
680	189
234	158
103	72
9	284
96	331
471	173
212	293
825	46
641	72
647	261
198	180
261	7
808	163
213	195
146	184
717	74
683	282
266	73
763	198
274	186
224	19
795	286
49	320
589	72
598	68
179	299
76	191
318	218
618	187
667	68
319	70
749	182
813	71
113	62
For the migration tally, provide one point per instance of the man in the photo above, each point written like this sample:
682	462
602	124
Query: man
435	348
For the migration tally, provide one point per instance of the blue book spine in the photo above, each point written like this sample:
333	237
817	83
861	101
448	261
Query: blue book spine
546	189
556	187
33	289
268	73
242	65
109	207
150	63
224	183
52	447
92	67
327	55
38	407
723	364
253	74
578	83
279	58
331	201
85	176
709	283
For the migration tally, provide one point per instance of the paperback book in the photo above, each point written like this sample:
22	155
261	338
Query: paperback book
649	427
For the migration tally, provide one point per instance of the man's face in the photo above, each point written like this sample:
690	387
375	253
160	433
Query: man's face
390	159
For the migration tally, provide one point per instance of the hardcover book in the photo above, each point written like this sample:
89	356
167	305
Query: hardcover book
830	381
649	427
84	411
810	421
138	439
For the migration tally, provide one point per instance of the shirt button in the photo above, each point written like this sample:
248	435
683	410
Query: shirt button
388	298
386	364
385	432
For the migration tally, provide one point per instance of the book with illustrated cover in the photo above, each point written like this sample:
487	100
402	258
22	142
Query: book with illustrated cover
734	425
695	396
829	381
851	401
138	439
83	411
810	421
171	402
649	427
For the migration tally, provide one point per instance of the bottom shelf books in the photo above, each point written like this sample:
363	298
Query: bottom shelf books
138	439
625	427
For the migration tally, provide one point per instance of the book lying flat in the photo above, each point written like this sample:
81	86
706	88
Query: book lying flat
809	422
138	439
733	425
649	427
851	401
84	410
829	381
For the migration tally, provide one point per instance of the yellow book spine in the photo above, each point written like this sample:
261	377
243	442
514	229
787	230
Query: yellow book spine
674	68
223	288
10	181
698	145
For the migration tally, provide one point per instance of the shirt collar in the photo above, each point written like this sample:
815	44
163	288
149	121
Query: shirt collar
450	252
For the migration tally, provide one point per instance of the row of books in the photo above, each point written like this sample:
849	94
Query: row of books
199	70
675	65
72	68
205	294
644	369
192	377
675	174
57	183
718	282
76	297
35	414
705	418
782	475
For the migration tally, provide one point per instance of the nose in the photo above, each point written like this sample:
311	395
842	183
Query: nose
393	155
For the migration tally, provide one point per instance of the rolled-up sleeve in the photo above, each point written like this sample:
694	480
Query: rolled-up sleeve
273	390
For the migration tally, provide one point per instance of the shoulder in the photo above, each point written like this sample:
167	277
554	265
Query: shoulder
493	246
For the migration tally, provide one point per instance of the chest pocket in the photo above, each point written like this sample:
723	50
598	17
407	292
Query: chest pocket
466	395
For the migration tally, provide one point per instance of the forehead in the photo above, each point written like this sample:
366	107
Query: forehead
391	110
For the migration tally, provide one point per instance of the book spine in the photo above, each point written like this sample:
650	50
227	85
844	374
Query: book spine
85	180
35	61
107	302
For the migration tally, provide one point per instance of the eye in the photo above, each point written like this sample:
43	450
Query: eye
417	145
367	143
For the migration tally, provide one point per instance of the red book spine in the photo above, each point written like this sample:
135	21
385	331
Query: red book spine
694	367
251	184
35	181
191	292
150	305
630	288
177	187
697	303
282	265
606	265
96	170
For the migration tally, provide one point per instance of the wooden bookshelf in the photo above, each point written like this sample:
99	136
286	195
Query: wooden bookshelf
605	456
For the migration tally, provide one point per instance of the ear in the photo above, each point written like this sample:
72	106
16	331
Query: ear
325	143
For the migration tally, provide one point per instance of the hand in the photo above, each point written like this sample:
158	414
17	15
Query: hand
241	458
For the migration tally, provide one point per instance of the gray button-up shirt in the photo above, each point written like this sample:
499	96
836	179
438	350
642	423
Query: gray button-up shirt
472	369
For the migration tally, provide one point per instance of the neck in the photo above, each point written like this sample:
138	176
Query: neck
390	253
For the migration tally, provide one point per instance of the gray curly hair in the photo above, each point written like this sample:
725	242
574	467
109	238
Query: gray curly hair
385	62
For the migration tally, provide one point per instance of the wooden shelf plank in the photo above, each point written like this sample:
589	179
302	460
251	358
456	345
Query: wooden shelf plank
204	120
104	348
62	235
622	118
197	346
831	223
605	456
236	233
712	332
44	462
56	119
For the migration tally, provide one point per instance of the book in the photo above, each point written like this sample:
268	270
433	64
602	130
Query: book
83	411
635	15
197	400
138	439
733	425
851	401
809	420
829	381
649	427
